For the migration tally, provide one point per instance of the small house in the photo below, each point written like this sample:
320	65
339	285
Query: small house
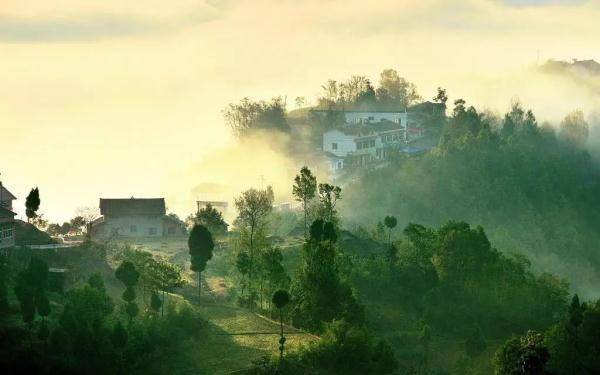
134	218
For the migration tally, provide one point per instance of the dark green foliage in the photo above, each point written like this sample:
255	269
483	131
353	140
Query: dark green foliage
575	312
526	355
132	310
128	294
42	304
242	263
574	343
343	349
127	274
32	203
390	222
329	195
304	191
84	312
212	219
534	193
30	289
201	246
321	230
118	336
272	272
281	298
43	331
4	273
96	282
475	343
450	279
155	302
318	292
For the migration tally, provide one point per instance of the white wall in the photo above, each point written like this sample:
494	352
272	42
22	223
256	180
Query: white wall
345	143
143	224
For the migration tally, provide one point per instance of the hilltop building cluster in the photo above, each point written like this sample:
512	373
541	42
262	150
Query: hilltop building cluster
372	137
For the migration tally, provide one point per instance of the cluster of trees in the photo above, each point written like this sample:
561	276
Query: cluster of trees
87	334
571	346
319	293
209	217
257	262
156	277
393	93
249	116
321	299
30	289
75	224
451	283
533	190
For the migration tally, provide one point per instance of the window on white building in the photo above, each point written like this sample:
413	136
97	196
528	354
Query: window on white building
151	231
334	146
133	228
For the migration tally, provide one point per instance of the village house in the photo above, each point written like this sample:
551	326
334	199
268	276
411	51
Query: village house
368	137
7	219
361	145
134	218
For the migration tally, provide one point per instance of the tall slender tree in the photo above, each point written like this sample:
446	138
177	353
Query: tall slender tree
390	222
201	247
129	276
304	190
280	299
32	203
253	208
329	195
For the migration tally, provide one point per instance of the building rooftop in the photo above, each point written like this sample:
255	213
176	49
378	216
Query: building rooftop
5	194
132	206
370	129
402	110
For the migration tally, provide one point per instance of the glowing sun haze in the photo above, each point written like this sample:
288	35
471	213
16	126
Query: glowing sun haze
114	99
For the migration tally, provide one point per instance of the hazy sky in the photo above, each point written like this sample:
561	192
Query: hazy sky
98	98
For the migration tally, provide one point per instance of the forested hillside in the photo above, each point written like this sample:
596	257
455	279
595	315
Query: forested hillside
535	189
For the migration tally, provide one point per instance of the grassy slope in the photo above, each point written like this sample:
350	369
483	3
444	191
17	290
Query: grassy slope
218	352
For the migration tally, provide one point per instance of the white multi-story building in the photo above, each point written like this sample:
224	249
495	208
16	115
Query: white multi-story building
358	146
